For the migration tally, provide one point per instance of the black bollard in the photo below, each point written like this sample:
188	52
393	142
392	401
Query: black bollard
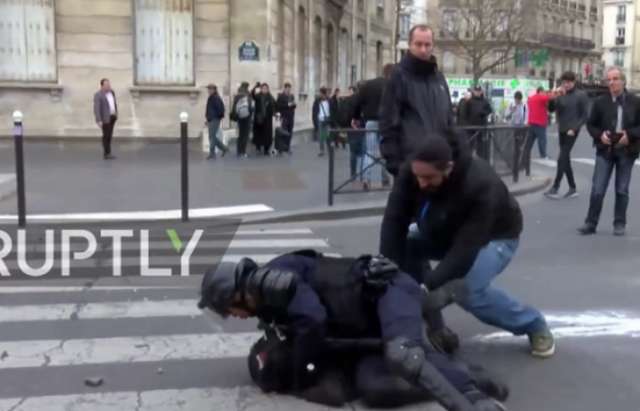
184	165
331	172
18	143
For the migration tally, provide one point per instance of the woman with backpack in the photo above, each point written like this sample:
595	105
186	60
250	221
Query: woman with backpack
265	108
241	113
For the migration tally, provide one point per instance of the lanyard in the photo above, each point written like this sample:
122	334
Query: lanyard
425	210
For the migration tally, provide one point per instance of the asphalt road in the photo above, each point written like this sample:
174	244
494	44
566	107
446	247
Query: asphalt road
155	351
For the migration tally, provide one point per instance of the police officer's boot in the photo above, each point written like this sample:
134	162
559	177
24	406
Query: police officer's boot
483	403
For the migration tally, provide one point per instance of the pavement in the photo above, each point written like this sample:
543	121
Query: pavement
154	350
71	177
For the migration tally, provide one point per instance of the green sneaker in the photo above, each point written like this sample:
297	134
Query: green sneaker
542	344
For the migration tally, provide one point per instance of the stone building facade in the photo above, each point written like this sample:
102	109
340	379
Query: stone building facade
161	54
621	39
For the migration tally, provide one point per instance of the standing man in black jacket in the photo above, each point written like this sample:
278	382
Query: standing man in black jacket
614	126
214	116
416	101
478	111
572	110
286	106
467	220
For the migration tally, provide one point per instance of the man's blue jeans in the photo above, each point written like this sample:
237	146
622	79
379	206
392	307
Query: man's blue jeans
538	133
605	164
489	304
214	141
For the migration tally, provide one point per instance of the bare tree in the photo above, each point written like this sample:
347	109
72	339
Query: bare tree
487	33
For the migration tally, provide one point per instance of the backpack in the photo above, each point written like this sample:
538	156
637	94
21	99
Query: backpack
242	107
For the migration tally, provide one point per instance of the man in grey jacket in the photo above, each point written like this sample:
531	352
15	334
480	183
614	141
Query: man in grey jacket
571	107
416	102
105	110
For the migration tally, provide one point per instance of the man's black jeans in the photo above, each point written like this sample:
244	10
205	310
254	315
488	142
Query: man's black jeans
564	160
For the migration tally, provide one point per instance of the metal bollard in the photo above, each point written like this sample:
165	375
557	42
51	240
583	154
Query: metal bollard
331	172
184	165
517	142
18	143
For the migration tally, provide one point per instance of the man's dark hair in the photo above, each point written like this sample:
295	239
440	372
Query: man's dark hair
421	27
436	151
518	95
568	76
539	89
102	81
352	88
287	85
323	91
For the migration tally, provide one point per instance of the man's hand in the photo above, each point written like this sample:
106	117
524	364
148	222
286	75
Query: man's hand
624	140
604	139
571	133
354	123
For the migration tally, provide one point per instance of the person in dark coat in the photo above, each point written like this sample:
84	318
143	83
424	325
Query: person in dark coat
416	101
478	110
241	112
286	107
467	219
334	109
307	298
614	126
214	115
265	109
461	112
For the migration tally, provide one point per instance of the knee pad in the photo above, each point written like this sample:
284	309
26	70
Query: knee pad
404	357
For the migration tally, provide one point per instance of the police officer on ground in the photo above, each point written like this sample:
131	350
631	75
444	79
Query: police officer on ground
310	297
467	219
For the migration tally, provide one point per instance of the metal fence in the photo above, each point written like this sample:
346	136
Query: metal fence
506	148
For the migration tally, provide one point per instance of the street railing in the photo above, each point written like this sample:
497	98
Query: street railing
506	148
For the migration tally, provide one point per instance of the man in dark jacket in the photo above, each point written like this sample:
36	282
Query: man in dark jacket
614	125
214	116
416	101
467	219
307	298
572	109
478	110
286	106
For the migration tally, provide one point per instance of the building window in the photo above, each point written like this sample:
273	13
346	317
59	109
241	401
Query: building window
360	5
405	26
622	14
164	42
316	63
379	57
361	56
343	58
27	41
449	27
618	58
331	60
620	34
448	62
301	51
380	9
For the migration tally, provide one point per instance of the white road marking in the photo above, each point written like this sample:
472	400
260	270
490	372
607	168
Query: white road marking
111	310
147	215
587	161
80	288
53	353
275	231
553	163
545	162
584	325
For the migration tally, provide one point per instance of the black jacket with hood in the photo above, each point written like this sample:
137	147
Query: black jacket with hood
472	208
416	104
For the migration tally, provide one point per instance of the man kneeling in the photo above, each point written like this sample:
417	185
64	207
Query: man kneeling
310	298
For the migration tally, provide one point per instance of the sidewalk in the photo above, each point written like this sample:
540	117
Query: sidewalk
68	177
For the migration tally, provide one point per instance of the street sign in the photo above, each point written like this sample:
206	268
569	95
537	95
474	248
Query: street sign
249	51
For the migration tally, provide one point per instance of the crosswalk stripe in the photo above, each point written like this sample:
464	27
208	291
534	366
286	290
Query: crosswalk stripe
587	161
554	163
125	309
52	353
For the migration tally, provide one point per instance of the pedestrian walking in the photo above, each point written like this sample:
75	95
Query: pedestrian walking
461	111
334	103
286	107
367	104
241	113
265	109
214	115
572	109
323	119
478	110
417	102
468	221
614	125
105	110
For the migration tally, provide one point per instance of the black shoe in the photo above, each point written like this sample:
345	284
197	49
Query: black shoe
587	229
211	156
224	152
444	340
619	230
109	157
